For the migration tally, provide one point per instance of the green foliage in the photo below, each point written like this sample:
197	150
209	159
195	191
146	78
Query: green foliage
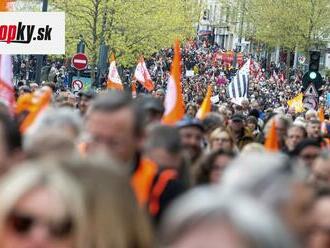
129	27
287	23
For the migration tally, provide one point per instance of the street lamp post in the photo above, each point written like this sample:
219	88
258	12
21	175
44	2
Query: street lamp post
240	35
40	58
241	27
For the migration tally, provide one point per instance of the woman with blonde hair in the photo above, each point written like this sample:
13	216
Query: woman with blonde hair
221	138
115	219
41	206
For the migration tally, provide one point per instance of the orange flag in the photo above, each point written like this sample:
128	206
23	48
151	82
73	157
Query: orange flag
271	143
206	106
3	5
134	90
174	105
40	102
114	81
142	75
321	114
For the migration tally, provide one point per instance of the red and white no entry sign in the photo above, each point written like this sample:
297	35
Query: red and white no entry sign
79	61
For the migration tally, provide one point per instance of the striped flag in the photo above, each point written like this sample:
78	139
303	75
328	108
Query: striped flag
238	87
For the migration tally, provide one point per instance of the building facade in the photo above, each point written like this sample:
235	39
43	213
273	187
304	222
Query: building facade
223	24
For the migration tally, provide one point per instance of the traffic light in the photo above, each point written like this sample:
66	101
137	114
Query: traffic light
314	60
313	77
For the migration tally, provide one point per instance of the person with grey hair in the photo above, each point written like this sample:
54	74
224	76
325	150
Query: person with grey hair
65	119
277	181
206	218
54	133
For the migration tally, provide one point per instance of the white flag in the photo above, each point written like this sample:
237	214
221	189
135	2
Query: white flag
114	81
142	75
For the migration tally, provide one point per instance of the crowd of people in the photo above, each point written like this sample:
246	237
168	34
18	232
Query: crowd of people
102	170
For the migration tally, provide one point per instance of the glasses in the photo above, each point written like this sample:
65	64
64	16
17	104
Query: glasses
23	224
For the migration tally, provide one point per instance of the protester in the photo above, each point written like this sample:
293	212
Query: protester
205	217
320	237
313	129
50	143
209	168
41	207
191	134
277	181
308	150
295	134
221	138
114	127
151	107
163	146
112	210
11	151
321	172
242	135
84	101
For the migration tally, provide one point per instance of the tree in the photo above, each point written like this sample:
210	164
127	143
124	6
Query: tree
129	27
25	5
288	23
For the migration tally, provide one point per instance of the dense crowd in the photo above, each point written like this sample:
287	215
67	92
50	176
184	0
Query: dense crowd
101	170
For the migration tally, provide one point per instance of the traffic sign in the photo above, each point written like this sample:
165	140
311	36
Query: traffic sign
310	102
77	85
301	59
79	61
312	77
311	91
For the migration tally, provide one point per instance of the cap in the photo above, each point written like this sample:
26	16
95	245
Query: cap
237	117
88	94
190	122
